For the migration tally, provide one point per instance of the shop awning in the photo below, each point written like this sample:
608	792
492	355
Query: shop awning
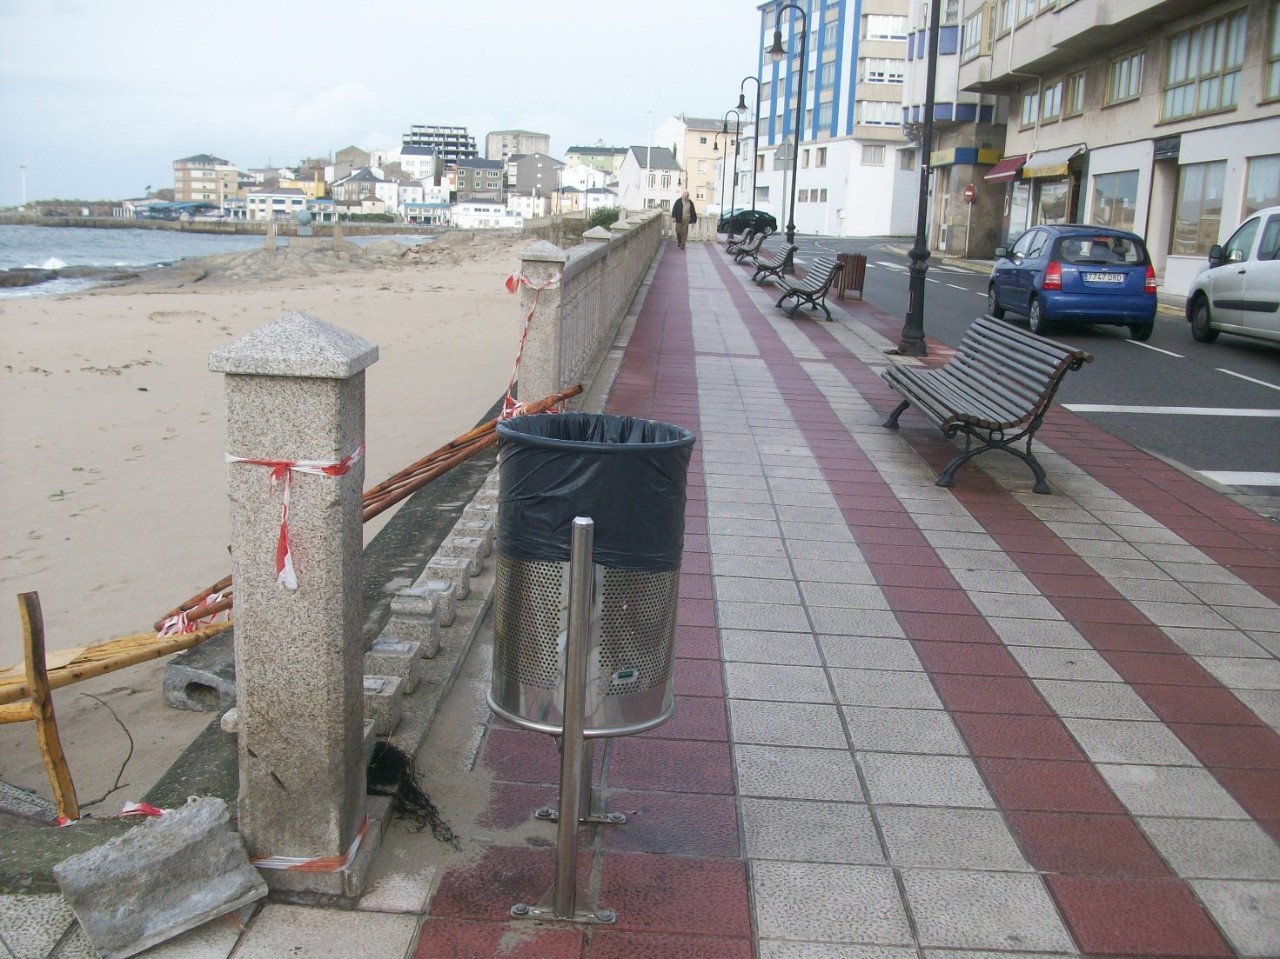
1051	162
1006	169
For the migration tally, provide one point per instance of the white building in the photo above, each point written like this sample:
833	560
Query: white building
649	178
278	204
485	215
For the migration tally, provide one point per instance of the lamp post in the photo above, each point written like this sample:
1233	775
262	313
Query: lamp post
724	168
737	138
755	138
912	342
778	52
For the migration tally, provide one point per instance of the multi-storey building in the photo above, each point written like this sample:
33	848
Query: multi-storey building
450	143
537	174
649	178
599	156
480	179
852	178
204	177
699	144
1160	116
504	144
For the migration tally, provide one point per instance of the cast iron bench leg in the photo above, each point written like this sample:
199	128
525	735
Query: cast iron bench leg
892	421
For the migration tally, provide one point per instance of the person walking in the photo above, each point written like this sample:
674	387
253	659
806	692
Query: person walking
683	214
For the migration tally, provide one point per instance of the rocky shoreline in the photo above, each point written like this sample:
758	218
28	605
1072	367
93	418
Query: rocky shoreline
34	276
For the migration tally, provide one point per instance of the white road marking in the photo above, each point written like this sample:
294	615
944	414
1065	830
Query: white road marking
957	286
1157	349
1169	410
1231	478
887	265
1249	378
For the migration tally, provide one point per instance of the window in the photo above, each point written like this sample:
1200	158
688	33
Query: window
702	140
1198	211
823	197
829	34
879	113
872	154
702	166
880	70
1272	90
653	179
1051	101
906	159
1073	106
804	196
1125	79
1029	104
975	29
666	181
804	159
820	158
1007	10
883	27
1027	9
824	117
1262	185
828	73
1115	199
1202	68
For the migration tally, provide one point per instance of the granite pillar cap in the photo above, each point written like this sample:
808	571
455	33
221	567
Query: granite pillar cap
544	252
297	344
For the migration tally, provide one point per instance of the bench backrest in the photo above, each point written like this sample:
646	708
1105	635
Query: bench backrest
779	254
1013	368
821	274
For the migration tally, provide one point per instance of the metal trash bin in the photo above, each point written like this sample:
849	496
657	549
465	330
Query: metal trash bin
628	475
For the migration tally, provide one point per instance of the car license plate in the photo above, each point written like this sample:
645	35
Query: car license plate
1104	277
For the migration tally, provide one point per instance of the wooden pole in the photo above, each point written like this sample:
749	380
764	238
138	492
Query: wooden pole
55	760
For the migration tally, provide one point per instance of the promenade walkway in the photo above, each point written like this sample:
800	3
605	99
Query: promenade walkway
911	721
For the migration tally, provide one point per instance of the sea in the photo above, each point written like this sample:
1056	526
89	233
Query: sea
53	248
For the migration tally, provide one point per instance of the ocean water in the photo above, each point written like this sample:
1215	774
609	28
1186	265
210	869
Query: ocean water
51	248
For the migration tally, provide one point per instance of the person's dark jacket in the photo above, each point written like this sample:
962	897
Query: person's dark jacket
677	210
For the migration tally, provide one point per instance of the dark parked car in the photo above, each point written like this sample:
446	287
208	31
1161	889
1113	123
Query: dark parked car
1076	273
737	221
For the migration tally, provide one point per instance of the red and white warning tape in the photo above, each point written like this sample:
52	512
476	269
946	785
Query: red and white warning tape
317	864
189	620
510	406
282	472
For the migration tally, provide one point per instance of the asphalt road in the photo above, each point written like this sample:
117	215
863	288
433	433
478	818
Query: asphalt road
1213	409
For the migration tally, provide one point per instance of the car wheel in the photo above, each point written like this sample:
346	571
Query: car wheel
1141	331
1036	319
993	303
1200	320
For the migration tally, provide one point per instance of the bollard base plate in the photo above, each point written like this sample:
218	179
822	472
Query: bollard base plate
597	813
545	911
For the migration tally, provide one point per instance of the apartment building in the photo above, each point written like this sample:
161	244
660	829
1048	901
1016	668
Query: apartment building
205	177
1160	116
450	143
649	178
479	179
537	174
851	178
504	144
600	157
700	144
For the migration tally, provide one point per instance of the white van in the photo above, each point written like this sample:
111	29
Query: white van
1239	291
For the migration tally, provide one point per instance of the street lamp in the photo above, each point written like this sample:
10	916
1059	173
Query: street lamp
737	138
912	342
724	167
755	138
778	52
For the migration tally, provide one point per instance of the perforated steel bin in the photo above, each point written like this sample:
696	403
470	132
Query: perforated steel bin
628	475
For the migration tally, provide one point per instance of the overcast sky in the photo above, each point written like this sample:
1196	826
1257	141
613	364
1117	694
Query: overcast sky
99	97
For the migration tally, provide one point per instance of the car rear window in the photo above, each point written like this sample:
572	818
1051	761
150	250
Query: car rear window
1101	250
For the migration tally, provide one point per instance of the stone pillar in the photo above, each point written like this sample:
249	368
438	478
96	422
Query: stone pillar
295	392
541	370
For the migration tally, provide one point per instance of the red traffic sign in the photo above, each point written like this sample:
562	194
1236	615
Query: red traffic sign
970	192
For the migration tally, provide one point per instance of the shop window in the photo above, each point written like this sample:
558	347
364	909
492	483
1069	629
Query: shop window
1202	68
1125	79
1262	185
1052	201
1198	211
1115	198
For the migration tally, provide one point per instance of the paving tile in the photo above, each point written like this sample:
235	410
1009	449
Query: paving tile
831	571
1079	664
991	694
669	894
873	729
698	677
32	925
1125	741
1214	642
983	910
961	559
980	659
1127	638
1171	791
518	755
1048	786
515	939
810	831
838	620
1016	737
758	616
1257	790
923	780
777	949
825	552
512	804
1238	673
671	765
678	824
760	567
770	681
1086	844
1214	849
786	772
821	902
939	627
607	943
1248	913
844	595
879	687
278	929
786	724
1146	917
695	717
869	652
1093	700
1196	704
735	589
949	839
761	646
1038	632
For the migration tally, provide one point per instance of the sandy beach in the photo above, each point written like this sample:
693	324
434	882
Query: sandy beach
112	500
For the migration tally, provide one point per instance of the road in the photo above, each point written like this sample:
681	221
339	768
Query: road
1212	409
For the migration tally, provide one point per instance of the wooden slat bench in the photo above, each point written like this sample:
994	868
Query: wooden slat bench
995	390
748	248
813	288
773	263
735	242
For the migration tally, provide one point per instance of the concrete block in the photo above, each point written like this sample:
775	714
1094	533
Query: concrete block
482	510
165	876
417	613
382	696
481	529
203	678
469	548
403	660
455	571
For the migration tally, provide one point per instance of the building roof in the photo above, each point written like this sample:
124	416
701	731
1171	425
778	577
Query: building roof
600	151
527	133
204	158
658	158
414	151
278	191
701	123
480	164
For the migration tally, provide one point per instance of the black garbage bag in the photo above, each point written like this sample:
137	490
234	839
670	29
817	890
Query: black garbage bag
627	474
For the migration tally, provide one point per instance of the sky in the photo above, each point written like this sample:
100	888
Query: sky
99	97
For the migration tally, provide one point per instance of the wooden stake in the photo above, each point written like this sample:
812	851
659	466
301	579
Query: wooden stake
55	760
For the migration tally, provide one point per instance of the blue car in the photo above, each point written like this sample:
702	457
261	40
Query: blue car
1073	273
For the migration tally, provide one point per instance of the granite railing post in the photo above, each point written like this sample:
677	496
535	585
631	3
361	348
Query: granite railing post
541	366
295	394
